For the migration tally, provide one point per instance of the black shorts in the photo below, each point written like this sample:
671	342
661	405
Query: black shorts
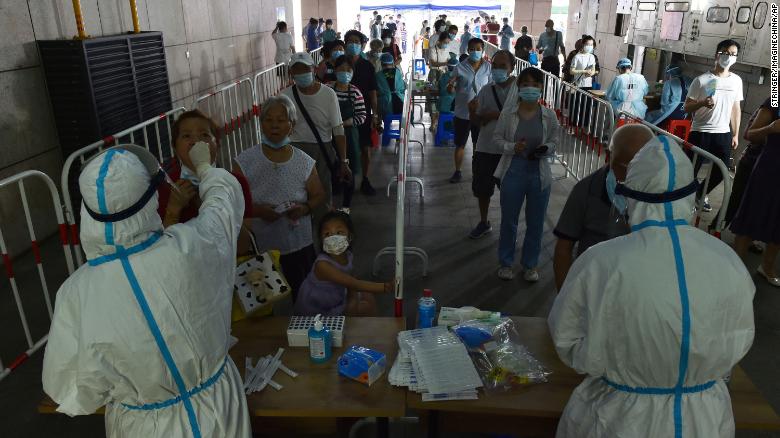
483	166
364	133
462	129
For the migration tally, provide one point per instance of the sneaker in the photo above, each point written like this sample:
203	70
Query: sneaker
706	207
366	188
531	275
774	281
482	229
456	177
344	210
505	273
756	248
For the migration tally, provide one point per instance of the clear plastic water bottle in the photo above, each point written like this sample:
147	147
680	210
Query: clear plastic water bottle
426	310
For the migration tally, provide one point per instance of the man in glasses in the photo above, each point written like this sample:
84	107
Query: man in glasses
714	102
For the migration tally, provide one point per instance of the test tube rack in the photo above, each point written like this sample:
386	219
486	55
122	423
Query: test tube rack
298	330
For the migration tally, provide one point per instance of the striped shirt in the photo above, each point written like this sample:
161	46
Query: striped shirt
354	96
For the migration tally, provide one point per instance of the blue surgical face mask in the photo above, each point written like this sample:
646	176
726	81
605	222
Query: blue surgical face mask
475	55
529	93
335	54
353	49
452	36
499	75
282	143
588	49
344	77
303	80
619	201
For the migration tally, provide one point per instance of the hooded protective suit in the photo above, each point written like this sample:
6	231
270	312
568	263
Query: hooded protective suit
672	97
627	93
143	327
656	318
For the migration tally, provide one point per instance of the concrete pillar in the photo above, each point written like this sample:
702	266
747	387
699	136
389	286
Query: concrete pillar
532	13
318	8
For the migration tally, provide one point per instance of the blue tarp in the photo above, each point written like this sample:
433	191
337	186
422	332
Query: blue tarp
431	6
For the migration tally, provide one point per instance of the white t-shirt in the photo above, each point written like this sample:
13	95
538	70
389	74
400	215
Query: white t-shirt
439	55
583	61
284	41
727	91
323	107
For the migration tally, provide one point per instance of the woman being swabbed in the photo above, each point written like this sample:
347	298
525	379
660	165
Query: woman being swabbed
330	289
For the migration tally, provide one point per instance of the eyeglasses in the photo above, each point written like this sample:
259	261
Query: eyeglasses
728	53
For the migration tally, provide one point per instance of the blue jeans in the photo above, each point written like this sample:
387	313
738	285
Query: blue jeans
522	182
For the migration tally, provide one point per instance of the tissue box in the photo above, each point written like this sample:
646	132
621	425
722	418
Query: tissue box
362	364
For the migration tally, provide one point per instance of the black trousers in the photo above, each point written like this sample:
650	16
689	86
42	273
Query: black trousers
744	170
719	145
296	266
552	65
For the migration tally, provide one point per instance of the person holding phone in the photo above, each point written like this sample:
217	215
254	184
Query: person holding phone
527	134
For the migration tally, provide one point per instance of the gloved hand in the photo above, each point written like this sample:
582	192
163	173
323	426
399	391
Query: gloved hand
200	155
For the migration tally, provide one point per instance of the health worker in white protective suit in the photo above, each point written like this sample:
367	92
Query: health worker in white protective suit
627	91
143	327
657	318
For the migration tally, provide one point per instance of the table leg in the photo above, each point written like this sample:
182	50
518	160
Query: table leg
433	424
382	427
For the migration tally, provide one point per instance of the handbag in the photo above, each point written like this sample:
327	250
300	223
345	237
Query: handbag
258	284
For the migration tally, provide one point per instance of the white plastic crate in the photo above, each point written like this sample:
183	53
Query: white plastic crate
298	330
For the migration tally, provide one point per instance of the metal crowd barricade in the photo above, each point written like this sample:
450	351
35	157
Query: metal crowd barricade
316	55
698	158
154	134
233	107
400	250
268	83
19	179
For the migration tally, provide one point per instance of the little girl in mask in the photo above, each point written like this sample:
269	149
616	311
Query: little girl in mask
330	289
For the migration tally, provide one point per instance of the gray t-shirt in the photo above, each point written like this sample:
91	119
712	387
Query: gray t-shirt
530	130
486	102
548	42
588	217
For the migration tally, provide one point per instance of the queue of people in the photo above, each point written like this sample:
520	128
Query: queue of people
316	137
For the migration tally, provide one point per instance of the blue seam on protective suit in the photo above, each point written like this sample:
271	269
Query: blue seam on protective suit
191	393
670	223
121	252
654	223
659	391
158	338
101	193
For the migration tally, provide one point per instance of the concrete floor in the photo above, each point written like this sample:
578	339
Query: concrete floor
461	272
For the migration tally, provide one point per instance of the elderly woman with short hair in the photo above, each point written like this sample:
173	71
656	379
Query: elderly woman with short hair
285	189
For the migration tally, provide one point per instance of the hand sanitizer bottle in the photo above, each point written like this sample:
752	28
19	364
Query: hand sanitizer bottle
320	341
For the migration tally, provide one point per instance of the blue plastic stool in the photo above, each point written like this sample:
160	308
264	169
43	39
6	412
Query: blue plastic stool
446	129
389	132
419	66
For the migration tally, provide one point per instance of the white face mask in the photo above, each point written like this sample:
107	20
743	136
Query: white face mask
335	244
588	49
725	60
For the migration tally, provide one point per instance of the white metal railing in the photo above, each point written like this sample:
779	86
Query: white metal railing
400	249
233	108
18	180
154	134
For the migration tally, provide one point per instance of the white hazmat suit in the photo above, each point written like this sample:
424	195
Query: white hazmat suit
143	327
656	318
627	93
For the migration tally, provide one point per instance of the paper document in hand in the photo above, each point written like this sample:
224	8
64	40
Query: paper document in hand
710	87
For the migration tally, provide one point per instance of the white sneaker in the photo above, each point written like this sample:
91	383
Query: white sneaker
531	275
343	210
505	273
